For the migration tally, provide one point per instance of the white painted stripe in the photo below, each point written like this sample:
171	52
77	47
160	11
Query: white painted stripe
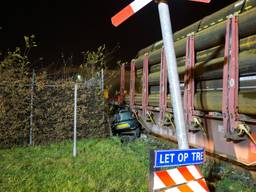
193	170
175	189
176	176
195	186
138	4
158	184
239	3
158	43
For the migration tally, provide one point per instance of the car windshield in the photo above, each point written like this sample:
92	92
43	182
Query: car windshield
123	116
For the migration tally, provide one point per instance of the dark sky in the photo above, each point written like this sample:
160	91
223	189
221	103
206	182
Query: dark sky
75	26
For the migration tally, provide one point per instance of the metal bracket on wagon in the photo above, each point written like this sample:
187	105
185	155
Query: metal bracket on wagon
136	114
239	133
150	117
196	125
245	129
234	129
169	120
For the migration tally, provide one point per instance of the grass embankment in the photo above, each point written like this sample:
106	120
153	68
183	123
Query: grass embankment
101	165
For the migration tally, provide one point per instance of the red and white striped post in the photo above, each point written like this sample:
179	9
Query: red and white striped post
181	179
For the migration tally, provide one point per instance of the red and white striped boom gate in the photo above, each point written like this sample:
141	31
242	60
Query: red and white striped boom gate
134	7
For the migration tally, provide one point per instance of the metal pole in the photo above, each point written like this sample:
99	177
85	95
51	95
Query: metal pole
173	77
103	97
31	109
75	116
102	80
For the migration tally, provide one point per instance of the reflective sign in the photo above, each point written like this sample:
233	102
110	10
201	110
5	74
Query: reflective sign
168	158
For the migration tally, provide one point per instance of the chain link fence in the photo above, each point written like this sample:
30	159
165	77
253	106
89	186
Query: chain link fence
42	111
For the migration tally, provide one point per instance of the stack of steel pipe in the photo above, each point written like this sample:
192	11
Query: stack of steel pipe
209	46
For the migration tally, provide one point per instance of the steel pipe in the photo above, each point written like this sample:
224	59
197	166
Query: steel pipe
209	37
209	101
213	69
211	20
208	54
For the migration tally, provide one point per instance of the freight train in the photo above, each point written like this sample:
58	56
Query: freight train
216	58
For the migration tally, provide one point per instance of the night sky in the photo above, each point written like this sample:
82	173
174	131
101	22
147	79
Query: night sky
75	26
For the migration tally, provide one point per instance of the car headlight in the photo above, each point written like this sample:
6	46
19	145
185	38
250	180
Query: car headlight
122	126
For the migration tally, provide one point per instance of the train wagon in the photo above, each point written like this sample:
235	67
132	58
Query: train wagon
216	58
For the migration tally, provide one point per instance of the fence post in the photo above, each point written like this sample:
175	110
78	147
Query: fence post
102	80
31	109
75	120
103	98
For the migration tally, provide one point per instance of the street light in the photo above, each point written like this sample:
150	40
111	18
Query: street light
79	77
